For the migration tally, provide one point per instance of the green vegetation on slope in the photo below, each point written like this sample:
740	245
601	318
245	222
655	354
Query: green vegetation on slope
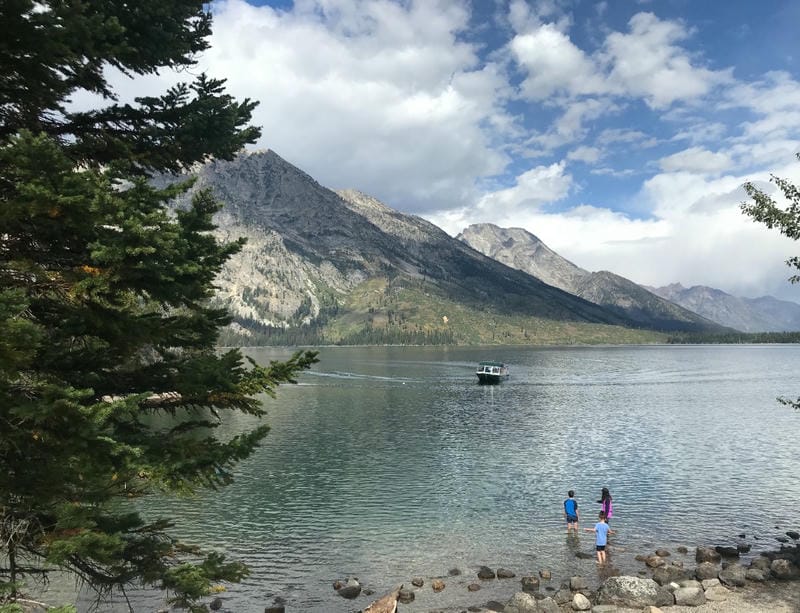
406	311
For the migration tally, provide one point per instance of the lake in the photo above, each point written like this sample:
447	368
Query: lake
392	462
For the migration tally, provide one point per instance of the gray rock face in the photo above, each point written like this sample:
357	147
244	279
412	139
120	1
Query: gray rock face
308	248
522	250
626	591
764	314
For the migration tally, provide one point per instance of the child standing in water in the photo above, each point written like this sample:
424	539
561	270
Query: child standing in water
571	512
602	531
605	503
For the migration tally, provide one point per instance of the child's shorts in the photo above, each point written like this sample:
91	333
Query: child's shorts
572	519
601	548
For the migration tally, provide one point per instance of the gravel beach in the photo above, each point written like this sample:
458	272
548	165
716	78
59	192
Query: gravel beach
769	597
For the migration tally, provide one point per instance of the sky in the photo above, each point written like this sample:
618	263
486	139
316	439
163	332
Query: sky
619	132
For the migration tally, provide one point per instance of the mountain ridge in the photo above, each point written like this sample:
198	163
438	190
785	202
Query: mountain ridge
321	266
521	249
762	314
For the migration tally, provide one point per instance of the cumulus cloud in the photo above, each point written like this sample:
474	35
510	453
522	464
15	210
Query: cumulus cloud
554	64
379	95
647	62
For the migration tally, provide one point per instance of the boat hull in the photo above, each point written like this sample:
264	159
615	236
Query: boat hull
488	379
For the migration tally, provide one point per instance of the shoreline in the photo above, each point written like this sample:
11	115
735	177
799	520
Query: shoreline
687	579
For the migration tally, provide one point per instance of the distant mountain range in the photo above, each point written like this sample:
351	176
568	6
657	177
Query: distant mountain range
671	307
520	249
764	314
321	266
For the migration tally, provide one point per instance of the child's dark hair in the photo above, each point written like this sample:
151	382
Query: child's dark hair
602	515
570	493
605	494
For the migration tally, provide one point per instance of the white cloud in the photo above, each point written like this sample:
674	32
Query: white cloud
554	64
696	160
373	94
647	63
532	189
588	155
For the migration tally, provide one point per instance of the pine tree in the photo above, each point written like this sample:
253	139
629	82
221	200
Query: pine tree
110	383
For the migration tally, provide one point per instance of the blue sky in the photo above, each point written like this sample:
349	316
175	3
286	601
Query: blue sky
618	132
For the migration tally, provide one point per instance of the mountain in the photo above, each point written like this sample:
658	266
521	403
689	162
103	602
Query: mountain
520	249
325	267
765	314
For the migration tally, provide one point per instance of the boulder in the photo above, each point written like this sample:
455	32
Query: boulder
692	583
743	548
783	569
682	549
664	597
405	595
761	563
733	574
418	582
689	596
717	593
486	573
350	589
216	604
437	585
706	570
562	596
668	574
578	583
727	552
706	554
755	574
522	603
473	587
278	608
454	572
530	584
504	573
547	605
709	583
793	534
546	575
627	591
654	561
662	553
580	603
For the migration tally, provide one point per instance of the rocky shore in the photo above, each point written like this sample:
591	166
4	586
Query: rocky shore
702	580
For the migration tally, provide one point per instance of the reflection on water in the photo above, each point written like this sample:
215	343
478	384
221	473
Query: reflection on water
389	463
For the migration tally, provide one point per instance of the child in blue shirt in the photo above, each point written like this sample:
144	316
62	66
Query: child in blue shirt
602	531
571	512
